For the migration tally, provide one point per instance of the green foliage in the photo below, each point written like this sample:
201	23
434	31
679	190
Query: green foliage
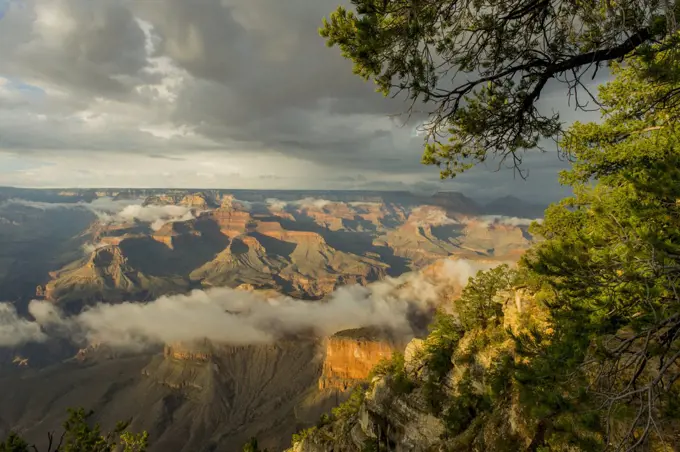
464	407
481	65
303	434
476	307
394	369
499	376
598	368
370	445
14	443
252	446
611	256
445	332
324	420
81	436
351	406
475	310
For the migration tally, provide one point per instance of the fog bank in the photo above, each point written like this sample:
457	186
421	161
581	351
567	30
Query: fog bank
240	317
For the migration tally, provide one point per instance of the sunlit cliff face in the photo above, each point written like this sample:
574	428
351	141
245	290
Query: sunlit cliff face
349	361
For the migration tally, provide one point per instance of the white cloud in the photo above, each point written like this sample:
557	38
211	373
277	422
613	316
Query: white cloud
14	330
276	204
89	248
432	216
110	211
488	220
312	203
240	317
156	216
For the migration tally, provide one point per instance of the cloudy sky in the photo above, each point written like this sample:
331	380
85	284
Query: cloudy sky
207	93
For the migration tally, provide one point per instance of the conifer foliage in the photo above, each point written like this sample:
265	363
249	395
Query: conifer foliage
81	435
598	365
477	68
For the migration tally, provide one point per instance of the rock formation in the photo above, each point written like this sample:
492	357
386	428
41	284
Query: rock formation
348	360
306	249
412	417
105	276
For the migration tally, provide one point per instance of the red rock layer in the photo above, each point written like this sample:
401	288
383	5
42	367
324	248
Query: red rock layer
349	361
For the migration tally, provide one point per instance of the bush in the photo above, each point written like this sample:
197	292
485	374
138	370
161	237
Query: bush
394	369
324	420
303	434
252	446
350	407
476	307
80	436
464	408
14	443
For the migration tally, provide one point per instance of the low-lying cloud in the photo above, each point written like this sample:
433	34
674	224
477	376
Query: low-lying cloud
103	204
437	216
509	221
431	216
304	203
110	211
240	317
155	215
15	330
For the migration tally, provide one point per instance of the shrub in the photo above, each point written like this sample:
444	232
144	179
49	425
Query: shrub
394	369
352	405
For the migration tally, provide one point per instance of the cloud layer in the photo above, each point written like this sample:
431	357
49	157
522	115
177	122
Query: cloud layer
15	330
156	216
109	211
209	93
238	317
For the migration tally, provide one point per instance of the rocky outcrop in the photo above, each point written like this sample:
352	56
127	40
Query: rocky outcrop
430	233
318	268
414	240
196	351
162	199
306	248
398	422
349	360
106	276
232	222
328	215
20	361
166	234
200	200
300	263
402	417
494	238
196	200
226	394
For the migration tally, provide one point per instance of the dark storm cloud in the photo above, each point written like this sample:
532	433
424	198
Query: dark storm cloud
263	76
93	47
167	157
249	77
280	88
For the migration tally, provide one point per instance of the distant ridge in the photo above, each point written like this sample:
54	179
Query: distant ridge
507	205
512	206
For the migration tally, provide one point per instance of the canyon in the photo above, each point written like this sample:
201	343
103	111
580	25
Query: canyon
204	394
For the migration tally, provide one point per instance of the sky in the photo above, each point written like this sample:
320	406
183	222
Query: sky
210	94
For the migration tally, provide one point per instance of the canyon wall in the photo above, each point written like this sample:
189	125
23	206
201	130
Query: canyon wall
349	360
